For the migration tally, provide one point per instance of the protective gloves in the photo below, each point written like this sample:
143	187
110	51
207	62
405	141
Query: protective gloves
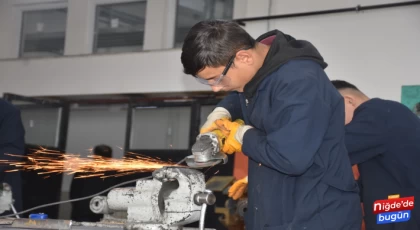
238	188
234	132
218	113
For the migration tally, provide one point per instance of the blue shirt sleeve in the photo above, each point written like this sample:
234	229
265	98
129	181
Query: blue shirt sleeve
12	136
12	141
300	121
232	103
365	135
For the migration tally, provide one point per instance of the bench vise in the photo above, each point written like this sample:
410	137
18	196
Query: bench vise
176	196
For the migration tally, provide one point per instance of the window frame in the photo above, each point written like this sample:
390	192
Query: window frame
95	24
24	10
179	45
193	132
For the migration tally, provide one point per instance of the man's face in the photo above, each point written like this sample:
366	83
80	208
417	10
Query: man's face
349	108
232	77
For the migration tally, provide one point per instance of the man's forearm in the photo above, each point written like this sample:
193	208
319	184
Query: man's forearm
232	104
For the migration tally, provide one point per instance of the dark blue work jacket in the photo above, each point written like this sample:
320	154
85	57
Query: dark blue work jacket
300	175
383	139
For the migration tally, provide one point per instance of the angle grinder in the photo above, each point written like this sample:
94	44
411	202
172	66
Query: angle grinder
206	151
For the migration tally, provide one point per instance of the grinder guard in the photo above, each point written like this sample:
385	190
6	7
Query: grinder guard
206	151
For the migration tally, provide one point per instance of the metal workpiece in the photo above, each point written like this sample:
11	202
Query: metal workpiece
206	152
27	224
42	224
102	225
173	198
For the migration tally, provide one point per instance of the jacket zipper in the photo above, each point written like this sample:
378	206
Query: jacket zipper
246	102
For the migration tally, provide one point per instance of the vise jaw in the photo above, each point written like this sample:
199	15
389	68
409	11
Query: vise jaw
170	200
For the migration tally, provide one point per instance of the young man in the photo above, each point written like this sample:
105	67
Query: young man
300	176
383	139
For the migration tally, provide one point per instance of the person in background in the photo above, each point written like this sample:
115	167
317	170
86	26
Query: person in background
383	140
12	141
300	175
81	187
417	109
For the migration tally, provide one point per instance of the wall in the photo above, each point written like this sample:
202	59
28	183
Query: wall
369	48
157	71
377	50
78	71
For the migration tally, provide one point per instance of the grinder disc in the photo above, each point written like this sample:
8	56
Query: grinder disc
193	164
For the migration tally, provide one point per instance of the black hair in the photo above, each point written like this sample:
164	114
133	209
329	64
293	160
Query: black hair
340	84
417	108
103	150
212	43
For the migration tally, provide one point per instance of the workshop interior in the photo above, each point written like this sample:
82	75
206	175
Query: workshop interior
99	83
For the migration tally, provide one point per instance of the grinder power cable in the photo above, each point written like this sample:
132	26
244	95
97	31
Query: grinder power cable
206	151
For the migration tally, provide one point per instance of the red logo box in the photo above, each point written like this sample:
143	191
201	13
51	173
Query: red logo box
393	205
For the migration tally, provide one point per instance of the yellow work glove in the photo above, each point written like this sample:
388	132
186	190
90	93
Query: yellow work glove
238	188
217	113
234	132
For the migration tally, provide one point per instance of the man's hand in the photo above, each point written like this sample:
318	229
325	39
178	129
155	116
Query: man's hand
218	113
238	188
234	132
229	129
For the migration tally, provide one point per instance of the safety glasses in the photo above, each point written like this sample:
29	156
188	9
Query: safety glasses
216	80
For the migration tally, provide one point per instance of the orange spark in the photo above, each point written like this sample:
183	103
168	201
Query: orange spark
49	161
